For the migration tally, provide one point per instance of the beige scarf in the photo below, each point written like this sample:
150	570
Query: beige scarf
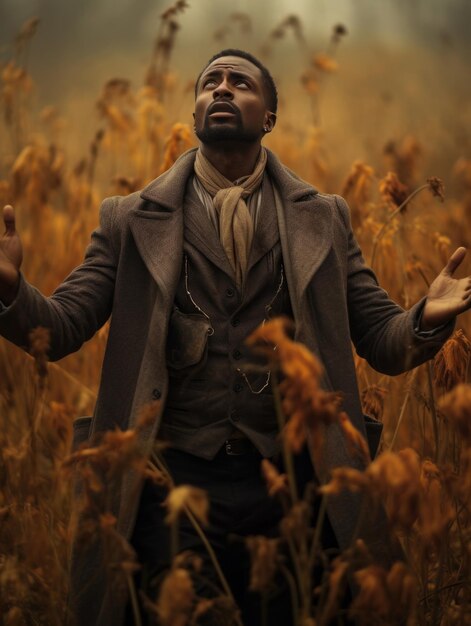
235	222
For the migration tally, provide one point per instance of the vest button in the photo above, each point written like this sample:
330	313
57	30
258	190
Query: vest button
235	416
235	321
230	292
237	354
238	387
156	394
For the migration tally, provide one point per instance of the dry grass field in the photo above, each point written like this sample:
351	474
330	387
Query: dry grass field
407	226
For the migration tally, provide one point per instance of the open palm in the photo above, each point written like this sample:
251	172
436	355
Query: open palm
447	296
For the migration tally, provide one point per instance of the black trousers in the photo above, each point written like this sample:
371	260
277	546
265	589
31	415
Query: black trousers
239	506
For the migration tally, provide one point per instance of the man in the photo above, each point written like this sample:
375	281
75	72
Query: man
225	239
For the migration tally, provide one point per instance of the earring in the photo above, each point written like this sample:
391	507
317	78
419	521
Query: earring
265	128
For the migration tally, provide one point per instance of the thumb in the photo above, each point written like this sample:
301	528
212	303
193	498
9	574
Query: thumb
9	219
454	261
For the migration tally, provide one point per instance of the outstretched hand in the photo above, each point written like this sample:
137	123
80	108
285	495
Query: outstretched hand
447	296
11	256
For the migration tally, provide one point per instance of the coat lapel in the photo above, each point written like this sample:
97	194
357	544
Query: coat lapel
159	239
266	234
157	224
305	226
200	232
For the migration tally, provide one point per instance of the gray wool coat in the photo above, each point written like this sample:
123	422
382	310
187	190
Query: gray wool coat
130	271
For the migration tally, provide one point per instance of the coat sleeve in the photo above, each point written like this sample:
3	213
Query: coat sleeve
79	306
383	333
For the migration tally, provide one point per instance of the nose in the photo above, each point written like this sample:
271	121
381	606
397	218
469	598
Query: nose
223	90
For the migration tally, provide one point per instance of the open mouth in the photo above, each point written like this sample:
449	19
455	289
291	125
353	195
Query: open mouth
222	109
222	114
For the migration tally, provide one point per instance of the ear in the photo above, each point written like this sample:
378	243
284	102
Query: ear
270	121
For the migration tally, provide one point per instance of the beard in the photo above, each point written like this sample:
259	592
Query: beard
220	132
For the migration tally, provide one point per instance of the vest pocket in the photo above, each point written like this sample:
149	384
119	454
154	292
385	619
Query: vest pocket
81	429
187	340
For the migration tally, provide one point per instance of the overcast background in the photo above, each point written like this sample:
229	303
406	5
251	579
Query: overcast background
403	68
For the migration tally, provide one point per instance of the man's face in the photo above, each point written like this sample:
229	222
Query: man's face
230	102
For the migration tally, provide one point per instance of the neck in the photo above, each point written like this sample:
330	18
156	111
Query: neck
232	162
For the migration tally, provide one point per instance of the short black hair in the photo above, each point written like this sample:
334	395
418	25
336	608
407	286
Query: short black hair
268	81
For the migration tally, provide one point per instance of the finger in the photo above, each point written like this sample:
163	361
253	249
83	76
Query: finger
454	261
9	219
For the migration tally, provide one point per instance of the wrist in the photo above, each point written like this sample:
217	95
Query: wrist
425	327
432	318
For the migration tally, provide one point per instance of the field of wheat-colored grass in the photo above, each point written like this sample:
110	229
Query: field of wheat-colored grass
407	225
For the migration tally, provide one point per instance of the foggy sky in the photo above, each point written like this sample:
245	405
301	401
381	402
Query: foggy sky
403	66
80	43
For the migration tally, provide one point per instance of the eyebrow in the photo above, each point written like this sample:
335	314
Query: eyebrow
233	74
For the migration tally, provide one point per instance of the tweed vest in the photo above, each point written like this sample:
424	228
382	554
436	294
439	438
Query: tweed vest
217	388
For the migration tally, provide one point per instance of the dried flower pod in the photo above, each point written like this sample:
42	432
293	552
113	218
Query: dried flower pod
451	363
392	190
186	496
295	523
220	611
277	483
456	407
14	617
345	478
372	400
436	510
358	183
337	580
57	427
355	441
390	595
413	491
437	187
188	560
404	159
325	63
309	407
263	555
339	31
176	598
40	340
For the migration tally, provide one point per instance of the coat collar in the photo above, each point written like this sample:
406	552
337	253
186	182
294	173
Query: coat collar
168	189
305	226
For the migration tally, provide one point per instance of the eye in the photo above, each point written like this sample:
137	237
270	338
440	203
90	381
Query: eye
210	82
241	82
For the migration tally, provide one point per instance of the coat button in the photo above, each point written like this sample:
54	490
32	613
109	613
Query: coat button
237	354
238	387
156	394
235	415
235	321
230	292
